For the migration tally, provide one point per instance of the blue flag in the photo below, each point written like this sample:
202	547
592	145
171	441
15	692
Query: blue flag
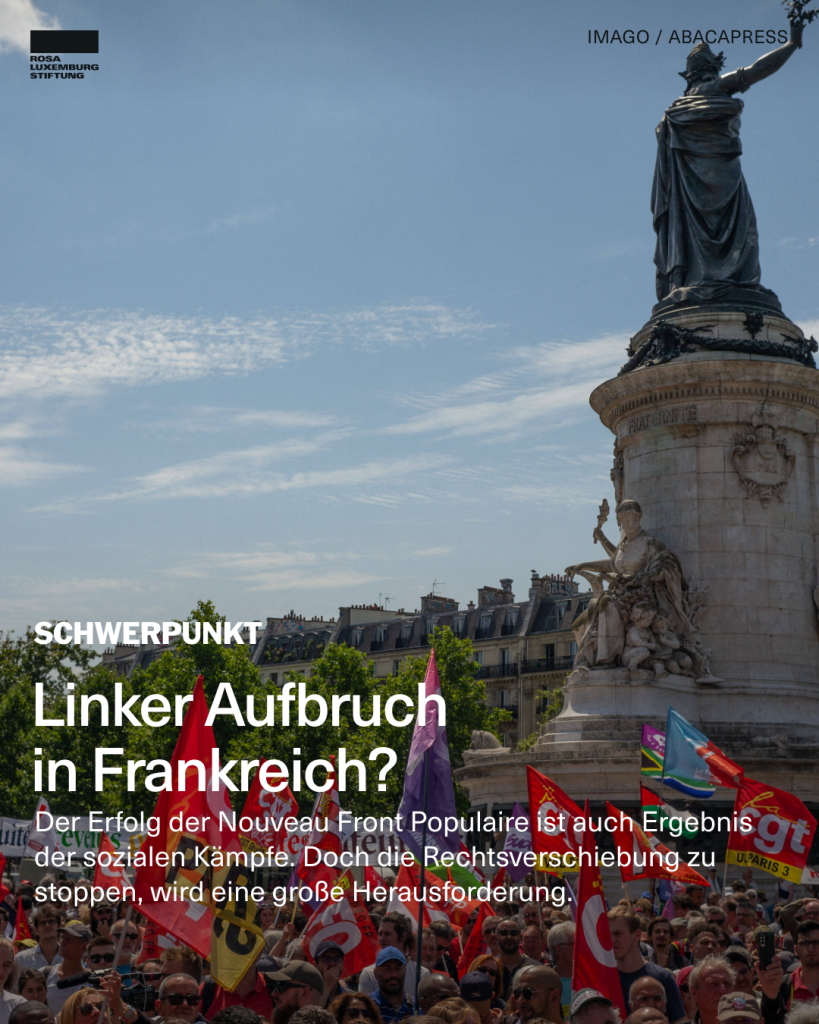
692	763
429	738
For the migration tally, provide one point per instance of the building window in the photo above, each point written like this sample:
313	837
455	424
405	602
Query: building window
486	621
458	624
406	631
357	634
502	698
560	610
431	624
504	657
396	667
273	678
479	657
512	617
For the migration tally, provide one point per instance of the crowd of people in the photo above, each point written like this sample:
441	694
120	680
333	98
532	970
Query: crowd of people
730	958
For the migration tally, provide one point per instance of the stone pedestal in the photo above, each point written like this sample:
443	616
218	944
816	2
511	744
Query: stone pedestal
721	450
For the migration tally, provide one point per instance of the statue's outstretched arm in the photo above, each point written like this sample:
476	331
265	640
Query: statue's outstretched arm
765	66
604	565
608	547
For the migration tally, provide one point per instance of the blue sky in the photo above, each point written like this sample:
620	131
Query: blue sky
301	302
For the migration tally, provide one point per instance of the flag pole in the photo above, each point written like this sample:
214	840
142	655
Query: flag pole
126	922
416	1005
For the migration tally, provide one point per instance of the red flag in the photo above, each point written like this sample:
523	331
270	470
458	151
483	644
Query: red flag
196	823
594	963
474	944
349	924
107	874
272	809
642	855
403	894
779	834
4	890
154	940
499	877
552	814
457	911
325	835
21	928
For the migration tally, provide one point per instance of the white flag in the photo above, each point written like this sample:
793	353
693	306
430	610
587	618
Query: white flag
41	838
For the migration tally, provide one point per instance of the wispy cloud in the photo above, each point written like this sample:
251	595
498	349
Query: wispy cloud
242	219
265	567
45	353
206	419
547	380
17	19
22	468
799	243
434	551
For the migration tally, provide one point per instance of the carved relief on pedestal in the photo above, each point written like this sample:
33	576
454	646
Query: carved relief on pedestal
763	462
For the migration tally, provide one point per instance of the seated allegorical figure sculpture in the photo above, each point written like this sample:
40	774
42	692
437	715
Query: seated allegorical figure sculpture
645	582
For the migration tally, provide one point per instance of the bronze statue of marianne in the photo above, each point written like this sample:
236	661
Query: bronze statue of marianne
707	243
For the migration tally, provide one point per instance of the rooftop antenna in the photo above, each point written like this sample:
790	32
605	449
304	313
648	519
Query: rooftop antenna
437	583
386	598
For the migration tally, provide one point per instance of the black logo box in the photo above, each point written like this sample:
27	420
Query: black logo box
50	40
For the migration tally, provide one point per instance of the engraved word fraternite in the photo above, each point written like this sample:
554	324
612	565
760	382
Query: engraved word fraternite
707	242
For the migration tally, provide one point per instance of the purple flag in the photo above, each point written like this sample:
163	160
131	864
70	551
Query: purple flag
518	842
429	738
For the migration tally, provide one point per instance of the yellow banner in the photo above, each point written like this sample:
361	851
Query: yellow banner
746	859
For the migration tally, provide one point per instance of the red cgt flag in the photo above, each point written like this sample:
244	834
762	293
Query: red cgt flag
642	855
552	814
107	874
594	963
270	808
780	831
349	924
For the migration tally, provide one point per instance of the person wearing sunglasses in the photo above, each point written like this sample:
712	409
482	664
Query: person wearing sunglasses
537	992
297	984
83	1007
74	939
355	1008
179	998
487	965
512	960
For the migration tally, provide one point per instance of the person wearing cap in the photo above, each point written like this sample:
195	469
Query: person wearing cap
646	1015
74	937
739	1008
395	932
389	996
330	961
591	1007
477	990
45	922
296	984
537	993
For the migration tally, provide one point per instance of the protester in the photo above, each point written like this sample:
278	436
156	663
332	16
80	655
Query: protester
31	985
129	943
397	927
512	960
710	980
743	965
101	918
531	943
390	974
330	961
232	1015
489	930
33	1011
434	988
353	1007
252	992
702	940
631	964
663	952
780	994
591	1007
648	992
295	985
429	949
531	915
44	924
746	917
444	936
477	991
739	1008
179	997
74	942
538	992
8	970
487	965
561	951
180	960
